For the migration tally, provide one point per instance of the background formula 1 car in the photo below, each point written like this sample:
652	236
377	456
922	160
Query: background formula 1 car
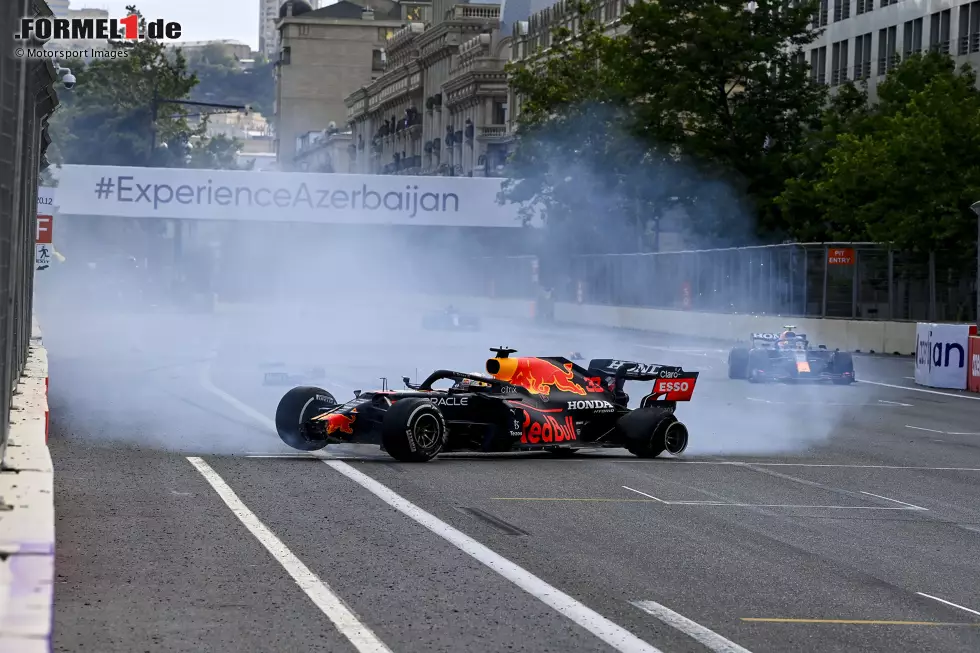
788	356
522	403
450	319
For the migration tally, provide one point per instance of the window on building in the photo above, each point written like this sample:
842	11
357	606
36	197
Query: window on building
945	29
939	31
885	3
893	55
862	56
835	64
499	116
917	26
285	56
377	60
864	6
842	10
822	17
385	33
822	66
973	34
882	51
814	63
304	30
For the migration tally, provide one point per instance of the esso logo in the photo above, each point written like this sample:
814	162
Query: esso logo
675	386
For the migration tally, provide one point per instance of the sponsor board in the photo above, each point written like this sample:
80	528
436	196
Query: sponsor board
941	355
283	197
973	379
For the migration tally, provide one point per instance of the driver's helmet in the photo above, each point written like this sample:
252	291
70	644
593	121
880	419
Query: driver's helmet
787	338
466	384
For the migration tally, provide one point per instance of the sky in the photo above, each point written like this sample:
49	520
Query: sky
200	20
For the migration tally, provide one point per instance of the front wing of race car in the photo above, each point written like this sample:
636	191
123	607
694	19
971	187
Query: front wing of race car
812	365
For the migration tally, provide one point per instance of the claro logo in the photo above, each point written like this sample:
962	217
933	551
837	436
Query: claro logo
936	353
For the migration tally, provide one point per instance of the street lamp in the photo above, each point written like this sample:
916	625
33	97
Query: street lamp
976	209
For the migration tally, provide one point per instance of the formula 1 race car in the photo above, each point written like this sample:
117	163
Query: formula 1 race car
787	356
450	319
523	403
281	377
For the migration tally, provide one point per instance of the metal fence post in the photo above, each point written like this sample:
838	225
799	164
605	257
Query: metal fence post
932	286
806	281
891	284
826	273
855	284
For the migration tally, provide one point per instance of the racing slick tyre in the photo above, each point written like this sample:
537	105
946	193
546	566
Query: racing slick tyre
296	407
738	363
841	364
758	360
413	431
645	432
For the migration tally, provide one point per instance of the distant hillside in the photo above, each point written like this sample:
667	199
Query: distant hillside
223	80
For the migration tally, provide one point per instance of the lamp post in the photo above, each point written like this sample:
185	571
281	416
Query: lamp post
976	209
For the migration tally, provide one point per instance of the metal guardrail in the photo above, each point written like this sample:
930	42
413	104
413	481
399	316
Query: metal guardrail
27	98
860	281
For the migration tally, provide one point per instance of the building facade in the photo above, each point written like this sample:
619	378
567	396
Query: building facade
864	39
325	55
440	106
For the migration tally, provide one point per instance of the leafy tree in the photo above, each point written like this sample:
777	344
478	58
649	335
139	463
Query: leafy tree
223	80
907	172
724	86
108	118
700	104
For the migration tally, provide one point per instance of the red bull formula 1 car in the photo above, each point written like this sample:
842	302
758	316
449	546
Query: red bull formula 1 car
522	403
788	356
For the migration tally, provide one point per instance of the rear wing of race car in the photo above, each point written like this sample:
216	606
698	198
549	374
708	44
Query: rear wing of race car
671	383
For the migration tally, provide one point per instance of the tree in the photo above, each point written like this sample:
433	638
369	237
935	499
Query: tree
725	88
908	174
700	104
222	79
108	119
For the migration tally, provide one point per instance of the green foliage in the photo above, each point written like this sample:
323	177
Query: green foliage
700	104
222	79
906	170
109	117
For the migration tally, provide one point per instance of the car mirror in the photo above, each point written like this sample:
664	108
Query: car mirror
357	393
407	381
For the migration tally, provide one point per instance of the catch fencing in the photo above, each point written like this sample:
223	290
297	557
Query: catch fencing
27	98
860	281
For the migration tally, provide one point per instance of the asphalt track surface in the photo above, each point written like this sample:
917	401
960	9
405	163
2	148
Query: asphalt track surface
802	518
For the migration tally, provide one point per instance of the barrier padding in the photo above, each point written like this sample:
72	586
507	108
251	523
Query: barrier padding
27	514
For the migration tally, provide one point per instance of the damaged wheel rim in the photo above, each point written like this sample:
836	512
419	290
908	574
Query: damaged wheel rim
426	431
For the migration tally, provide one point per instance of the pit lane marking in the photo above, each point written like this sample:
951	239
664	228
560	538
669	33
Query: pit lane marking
905	387
607	631
696	631
347	623
705	503
649	496
919	428
949	603
903	503
858	622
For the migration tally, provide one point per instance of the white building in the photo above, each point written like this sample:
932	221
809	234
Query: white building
59	7
864	39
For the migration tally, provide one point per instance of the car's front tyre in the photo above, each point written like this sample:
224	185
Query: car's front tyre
295	408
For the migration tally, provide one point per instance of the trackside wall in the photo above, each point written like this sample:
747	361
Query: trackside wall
27	513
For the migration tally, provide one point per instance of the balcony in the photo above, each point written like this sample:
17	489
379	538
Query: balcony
473	12
492	132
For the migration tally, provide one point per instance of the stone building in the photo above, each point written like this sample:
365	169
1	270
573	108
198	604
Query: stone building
325	55
440	106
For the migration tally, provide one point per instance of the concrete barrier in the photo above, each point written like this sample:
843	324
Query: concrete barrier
27	515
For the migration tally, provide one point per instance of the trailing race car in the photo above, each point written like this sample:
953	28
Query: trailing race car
788	356
523	403
451	319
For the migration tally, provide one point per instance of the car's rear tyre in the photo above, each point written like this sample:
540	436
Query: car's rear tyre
758	360
413	431
643	431
295	408
841	364
738	363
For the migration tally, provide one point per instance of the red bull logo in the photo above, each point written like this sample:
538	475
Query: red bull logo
536	374
545	429
338	422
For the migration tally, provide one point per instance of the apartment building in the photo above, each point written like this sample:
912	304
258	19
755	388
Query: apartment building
864	39
324	56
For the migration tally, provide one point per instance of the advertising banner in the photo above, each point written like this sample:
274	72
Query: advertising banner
973	375
283	197
45	228
941	355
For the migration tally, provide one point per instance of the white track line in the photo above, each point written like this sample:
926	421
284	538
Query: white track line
322	596
737	463
612	634
950	603
708	638
779	505
905	387
910	505
919	428
649	496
